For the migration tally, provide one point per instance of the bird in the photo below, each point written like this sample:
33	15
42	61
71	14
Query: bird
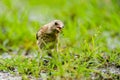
47	35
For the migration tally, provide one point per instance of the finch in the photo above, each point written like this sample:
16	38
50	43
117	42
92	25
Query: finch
47	36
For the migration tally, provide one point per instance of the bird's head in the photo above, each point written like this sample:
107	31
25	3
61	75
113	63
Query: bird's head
56	26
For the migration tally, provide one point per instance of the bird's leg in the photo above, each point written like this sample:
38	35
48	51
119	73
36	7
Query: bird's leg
57	45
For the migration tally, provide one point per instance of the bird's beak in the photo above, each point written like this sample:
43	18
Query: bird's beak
59	28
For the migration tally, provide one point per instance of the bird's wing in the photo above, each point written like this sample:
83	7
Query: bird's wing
41	31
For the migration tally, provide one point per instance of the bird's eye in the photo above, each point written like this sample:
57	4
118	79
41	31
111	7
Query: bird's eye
56	23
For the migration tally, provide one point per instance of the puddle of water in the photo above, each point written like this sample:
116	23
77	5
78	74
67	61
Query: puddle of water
6	55
8	76
112	43
108	73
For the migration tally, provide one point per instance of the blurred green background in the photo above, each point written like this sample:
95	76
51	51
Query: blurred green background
83	19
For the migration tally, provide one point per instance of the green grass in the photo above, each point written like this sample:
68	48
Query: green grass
91	33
